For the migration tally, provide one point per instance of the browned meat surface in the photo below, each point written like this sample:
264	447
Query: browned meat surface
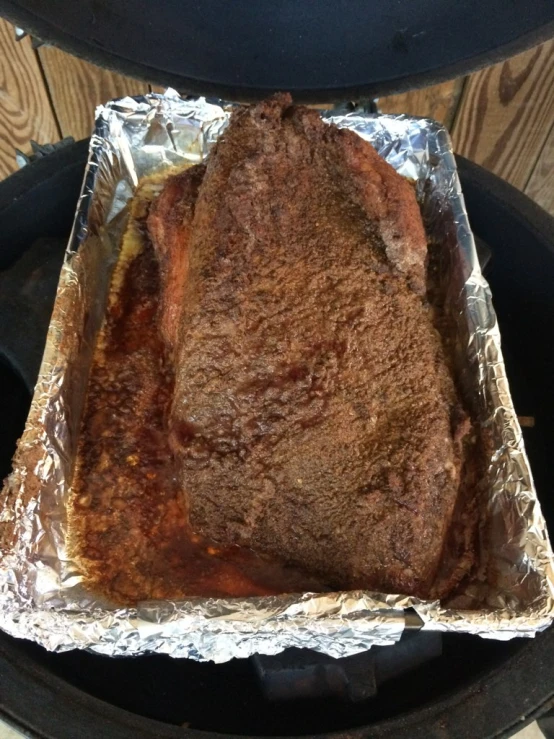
129	527
313	415
168	222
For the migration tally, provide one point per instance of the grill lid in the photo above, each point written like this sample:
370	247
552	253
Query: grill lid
321	51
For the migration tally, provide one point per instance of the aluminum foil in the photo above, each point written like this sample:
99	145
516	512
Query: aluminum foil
41	595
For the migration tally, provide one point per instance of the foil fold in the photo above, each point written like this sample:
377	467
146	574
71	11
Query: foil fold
41	593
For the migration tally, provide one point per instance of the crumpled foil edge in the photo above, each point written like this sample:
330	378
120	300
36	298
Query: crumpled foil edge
41	596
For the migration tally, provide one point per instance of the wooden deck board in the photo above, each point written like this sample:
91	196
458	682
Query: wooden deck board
501	117
506	113
77	87
437	101
541	183
25	110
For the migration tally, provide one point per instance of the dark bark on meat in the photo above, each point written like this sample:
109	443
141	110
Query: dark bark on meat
312	411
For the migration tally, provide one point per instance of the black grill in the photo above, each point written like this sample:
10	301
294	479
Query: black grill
425	686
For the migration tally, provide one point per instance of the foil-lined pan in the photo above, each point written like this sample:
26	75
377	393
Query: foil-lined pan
41	593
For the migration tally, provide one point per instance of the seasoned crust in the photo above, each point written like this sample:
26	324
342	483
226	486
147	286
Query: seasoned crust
168	222
314	416
128	525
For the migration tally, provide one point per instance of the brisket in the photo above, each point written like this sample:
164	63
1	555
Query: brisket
314	417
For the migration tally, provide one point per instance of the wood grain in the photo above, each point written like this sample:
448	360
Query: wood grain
501	117
437	101
25	111
506	113
77	87
541	183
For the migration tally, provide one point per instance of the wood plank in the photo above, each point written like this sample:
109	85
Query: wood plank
25	111
506	113
77	87
436	101
541	183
